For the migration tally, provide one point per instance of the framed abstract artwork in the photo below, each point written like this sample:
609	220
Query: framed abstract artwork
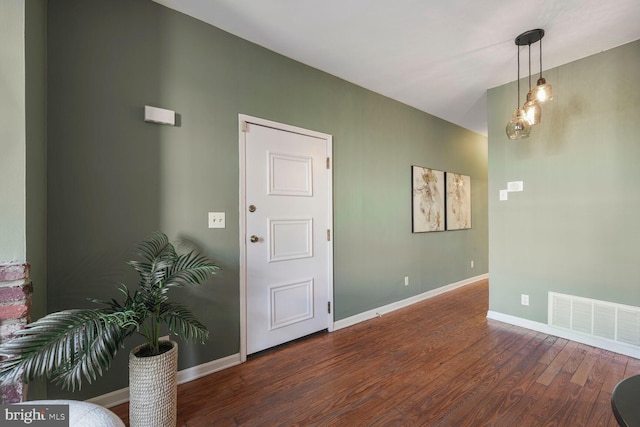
458	201
428	194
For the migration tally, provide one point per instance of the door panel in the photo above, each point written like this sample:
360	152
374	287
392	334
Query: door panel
287	252
290	239
291	303
290	175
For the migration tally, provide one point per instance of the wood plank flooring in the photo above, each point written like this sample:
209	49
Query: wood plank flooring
437	363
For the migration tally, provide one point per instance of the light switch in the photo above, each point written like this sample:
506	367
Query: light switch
504	195
216	220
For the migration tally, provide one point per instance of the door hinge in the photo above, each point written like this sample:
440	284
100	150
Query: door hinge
245	127
328	163
328	235
329	307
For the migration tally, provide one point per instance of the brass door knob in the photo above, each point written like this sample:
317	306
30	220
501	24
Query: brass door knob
254	238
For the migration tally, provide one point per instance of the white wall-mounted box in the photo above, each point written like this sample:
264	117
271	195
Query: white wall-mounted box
515	186
159	115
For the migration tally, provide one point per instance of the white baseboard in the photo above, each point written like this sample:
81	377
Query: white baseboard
376	312
118	397
605	344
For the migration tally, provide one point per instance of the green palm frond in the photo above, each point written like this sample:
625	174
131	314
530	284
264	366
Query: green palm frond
155	247
113	305
181	322
66	346
157	255
190	269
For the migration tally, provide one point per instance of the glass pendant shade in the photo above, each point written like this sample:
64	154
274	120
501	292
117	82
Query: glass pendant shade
532	110
542	92
518	127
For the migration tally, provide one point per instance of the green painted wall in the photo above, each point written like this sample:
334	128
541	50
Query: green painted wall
36	150
36	160
22	145
12	133
574	229
113	179
22	140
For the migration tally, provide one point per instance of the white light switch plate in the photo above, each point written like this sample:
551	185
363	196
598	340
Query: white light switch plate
504	195
216	220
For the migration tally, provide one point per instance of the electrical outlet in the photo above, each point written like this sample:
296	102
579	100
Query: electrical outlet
216	220
472	264
406	280
524	299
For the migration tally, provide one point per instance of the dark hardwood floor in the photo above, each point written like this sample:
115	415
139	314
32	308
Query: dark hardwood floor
437	363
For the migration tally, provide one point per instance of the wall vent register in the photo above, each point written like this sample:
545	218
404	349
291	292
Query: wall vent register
602	319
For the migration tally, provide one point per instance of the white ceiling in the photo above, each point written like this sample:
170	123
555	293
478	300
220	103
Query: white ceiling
437	56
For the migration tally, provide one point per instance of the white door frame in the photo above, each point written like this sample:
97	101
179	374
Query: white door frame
242	120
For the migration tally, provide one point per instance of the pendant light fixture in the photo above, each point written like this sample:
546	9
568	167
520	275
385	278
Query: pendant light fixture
518	127
523	118
532	109
542	92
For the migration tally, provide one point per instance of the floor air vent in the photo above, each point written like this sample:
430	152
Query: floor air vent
616	322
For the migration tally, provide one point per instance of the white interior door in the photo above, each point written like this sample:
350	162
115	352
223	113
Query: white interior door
287	234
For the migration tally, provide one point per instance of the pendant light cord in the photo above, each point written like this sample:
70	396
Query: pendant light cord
518	76
529	67
540	58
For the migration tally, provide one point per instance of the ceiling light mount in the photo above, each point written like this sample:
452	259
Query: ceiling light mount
530	37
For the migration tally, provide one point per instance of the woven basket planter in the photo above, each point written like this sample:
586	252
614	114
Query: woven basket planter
153	388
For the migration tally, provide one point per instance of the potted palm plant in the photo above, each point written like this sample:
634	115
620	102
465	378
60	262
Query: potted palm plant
71	345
